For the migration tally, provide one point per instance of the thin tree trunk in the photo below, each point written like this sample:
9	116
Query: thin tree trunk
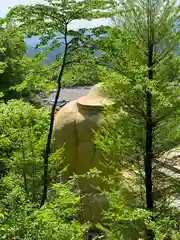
149	155
25	182
48	145
34	184
148	158
149	137
24	172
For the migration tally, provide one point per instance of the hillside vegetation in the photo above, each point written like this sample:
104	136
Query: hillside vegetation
140	71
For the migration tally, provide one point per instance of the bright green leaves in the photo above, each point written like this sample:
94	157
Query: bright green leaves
125	65
53	221
124	72
3	66
23	135
20	76
37	79
12	52
51	23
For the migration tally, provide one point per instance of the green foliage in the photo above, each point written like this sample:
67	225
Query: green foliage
51	22
126	222
124	73
23	134
23	220
20	77
122	67
12	50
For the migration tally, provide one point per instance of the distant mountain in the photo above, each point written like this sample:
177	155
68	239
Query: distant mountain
31	48
33	41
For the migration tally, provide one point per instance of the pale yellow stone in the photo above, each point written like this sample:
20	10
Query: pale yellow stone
74	128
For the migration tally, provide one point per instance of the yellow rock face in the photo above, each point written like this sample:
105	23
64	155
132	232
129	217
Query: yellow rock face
73	130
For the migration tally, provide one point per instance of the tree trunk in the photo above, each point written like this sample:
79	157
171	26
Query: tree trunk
149	155
34	184
25	182
48	145
149	137
148	158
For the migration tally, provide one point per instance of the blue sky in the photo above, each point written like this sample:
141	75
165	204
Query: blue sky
6	4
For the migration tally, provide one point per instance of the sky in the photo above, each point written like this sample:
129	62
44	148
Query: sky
6	4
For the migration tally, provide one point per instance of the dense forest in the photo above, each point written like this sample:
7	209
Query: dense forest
139	68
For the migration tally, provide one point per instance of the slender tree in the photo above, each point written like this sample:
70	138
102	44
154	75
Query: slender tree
140	55
51	22
148	158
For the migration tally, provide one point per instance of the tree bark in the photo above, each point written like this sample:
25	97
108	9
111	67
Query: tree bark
149	138
48	145
148	158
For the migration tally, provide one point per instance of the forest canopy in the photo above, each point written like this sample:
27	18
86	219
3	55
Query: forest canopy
137	63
